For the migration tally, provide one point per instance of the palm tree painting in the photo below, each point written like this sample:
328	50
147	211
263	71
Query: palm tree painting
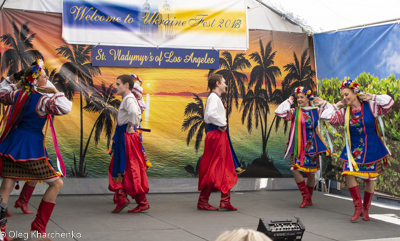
254	104
21	54
78	70
300	72
68	88
263	74
233	78
255	107
104	103
194	113
194	122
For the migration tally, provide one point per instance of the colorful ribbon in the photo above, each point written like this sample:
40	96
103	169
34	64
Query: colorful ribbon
297	138
13	117
60	162
329	127
383	132
350	158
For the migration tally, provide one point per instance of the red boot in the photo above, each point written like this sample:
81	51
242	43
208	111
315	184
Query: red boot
115	198
304	192
203	204
24	197
367	204
310	191
4	233
122	202
355	194
8	214
142	204
225	203
42	217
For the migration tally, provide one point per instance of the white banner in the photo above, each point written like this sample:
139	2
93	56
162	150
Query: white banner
206	24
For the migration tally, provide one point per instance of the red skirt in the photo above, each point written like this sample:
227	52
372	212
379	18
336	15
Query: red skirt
135	179
217	171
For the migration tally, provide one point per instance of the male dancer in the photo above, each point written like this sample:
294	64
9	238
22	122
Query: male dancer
217	169
129	166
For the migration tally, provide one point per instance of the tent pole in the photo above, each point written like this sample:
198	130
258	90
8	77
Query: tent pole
4	1
280	14
364	25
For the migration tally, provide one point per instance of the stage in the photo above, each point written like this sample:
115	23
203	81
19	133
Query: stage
174	216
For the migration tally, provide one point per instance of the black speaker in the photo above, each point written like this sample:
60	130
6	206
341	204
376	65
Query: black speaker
282	229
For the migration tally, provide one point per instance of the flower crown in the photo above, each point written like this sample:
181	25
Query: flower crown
304	91
352	85
135	77
35	72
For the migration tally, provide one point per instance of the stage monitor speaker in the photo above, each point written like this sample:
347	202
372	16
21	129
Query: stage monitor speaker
282	229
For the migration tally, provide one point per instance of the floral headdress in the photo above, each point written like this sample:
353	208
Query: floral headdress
35	73
135	77
352	85
304	91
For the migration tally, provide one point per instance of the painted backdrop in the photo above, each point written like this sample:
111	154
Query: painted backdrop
259	79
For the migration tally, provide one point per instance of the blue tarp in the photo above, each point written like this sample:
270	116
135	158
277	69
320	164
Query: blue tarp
374	50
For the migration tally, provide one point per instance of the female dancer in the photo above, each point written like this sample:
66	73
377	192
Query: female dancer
364	149
305	143
11	84
22	151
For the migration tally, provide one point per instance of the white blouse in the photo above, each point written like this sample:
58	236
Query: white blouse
215	111
284	111
129	112
380	105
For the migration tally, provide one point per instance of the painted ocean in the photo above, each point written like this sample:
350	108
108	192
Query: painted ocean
166	144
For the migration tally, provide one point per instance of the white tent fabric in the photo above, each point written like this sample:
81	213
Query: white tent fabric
331	15
259	17
53	6
263	18
314	15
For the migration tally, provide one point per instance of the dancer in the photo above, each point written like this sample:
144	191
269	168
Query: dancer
364	149
22	151
305	143
128	161
217	168
137	91
11	84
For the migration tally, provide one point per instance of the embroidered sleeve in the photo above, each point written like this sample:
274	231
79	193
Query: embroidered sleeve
6	85
284	111
8	98
333	115
326	105
139	98
56	105
381	104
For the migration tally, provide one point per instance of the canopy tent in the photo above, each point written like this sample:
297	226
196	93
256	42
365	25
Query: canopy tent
259	16
161	84
331	15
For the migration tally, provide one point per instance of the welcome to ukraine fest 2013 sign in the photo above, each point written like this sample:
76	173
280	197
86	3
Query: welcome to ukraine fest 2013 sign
154	58
191	24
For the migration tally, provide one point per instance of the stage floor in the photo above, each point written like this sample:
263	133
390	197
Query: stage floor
175	217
